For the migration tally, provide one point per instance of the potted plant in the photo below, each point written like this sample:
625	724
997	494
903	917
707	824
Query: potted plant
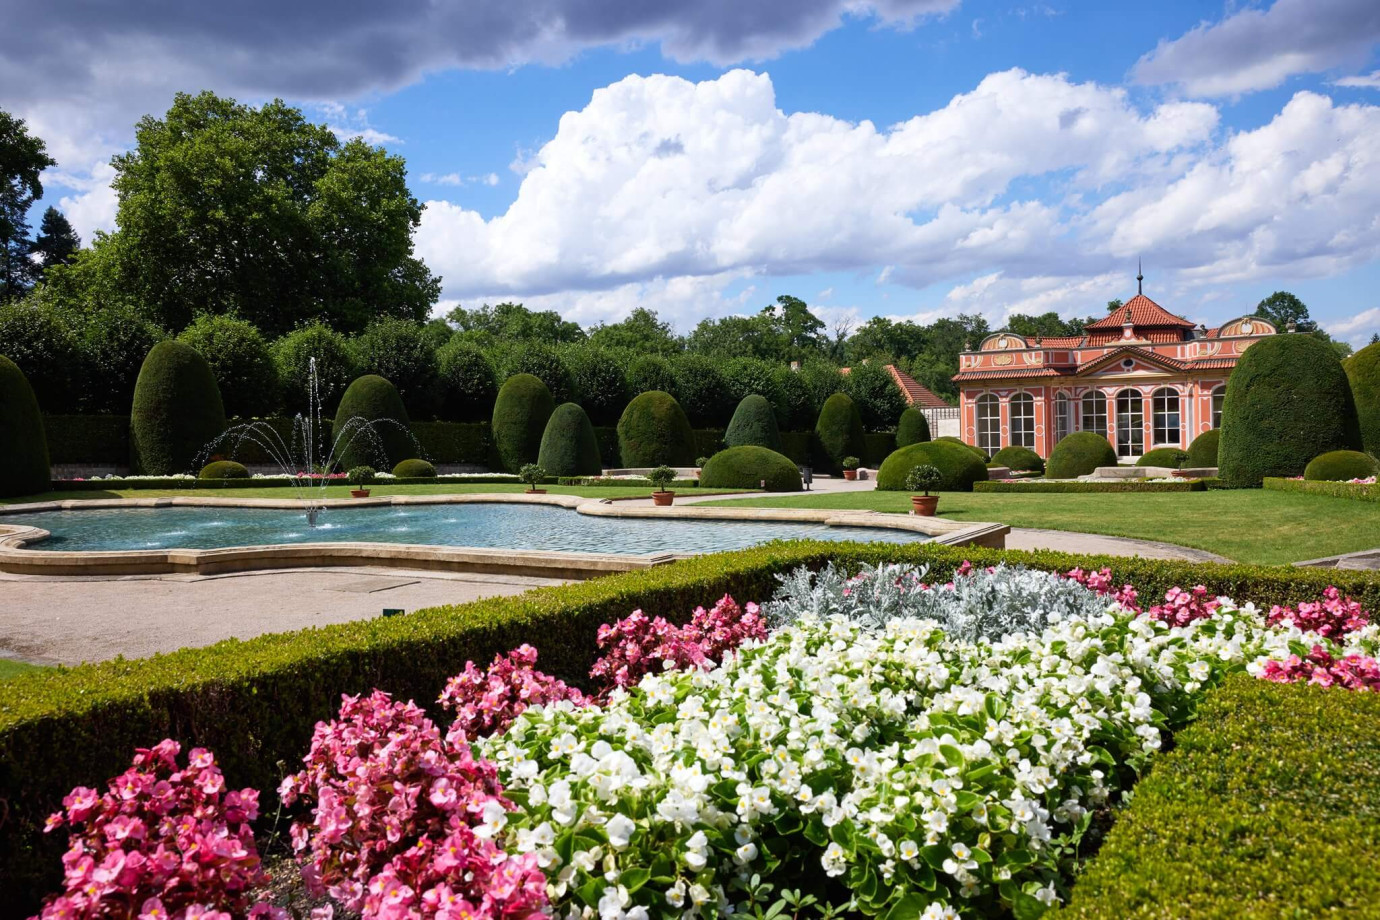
699	465
533	474
922	478
850	467
360	478
1180	458
661	477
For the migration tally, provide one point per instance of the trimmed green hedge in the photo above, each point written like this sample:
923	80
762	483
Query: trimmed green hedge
87	438
1363	373
754	425
523	407
877	446
1202	452
1268	806
414	468
223	469
746	467
372	399
1019	459
455	442
24	465
1356	491
977	451
1163	456
1036	485
913	428
839	432
653	431
1340	466
1079	454
959	467
568	445
177	411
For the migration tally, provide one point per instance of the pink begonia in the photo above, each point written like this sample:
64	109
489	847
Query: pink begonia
1182	607
402	821
487	702
638	645
1101	583
1330	617
163	842
1353	672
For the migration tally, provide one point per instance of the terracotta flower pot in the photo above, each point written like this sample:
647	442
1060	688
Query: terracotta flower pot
924	505
536	491
663	499
359	493
850	475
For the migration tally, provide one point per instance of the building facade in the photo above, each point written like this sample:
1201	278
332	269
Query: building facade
1141	377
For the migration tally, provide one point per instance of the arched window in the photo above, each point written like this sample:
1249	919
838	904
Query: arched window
1165	418
1023	420
1218	396
1063	416
1095	412
988	423
1130	424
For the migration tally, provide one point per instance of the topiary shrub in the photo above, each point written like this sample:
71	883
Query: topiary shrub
747	467
568	445
654	431
540	360
360	476
840	430
1341	466
1363	373
913	428
1287	401
241	362
113	342
959	468
754	424
414	468
385	441
468	382
651	373
601	386
523	408
1203	451
223	469
875	392
1019	459
1172	457
335	366
1078	454
401	352
977	451
24	468
177	410
40	341
702	391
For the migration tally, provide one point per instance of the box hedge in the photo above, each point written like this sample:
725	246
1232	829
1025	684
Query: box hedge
959	467
1202	453
1340	466
523	407
1353	490
754	425
747	467
568	446
371	403
1363	373
177	411
24	465
1079	454
1062	487
839	432
1019	459
1172	457
913	428
465	443
87	438
976	451
654	431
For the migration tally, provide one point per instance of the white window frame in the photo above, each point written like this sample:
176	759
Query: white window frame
988	424
1023	424
1162	432
1098	413
1130	438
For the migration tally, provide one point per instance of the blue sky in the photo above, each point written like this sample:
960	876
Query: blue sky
1019	156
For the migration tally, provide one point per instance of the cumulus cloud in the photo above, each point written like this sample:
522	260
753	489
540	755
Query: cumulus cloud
1358	329
1363	81
1255	49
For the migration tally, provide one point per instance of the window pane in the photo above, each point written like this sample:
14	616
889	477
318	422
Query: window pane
1130	424
1063	417
1023	420
1095	413
988	423
1218	395
1166	418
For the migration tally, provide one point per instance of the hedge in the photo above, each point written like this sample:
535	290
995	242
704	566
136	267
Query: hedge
87	438
254	702
1363	373
754	424
748	467
839	432
877	446
143	483
1164	456
414	468
1079	454
1268	806
1202	453
568	445
455	442
373	400
1072	486
1018	459
654	431
523	407
913	428
959	468
1340	466
976	451
1356	491
177	411
223	469
24	465
240	360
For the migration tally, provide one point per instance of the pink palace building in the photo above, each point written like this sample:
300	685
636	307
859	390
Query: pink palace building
1142	377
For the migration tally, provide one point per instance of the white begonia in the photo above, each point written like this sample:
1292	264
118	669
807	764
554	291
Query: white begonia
619	829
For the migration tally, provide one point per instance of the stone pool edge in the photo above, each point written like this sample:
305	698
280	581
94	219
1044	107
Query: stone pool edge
16	559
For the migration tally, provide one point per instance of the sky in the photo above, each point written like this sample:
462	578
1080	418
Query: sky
902	158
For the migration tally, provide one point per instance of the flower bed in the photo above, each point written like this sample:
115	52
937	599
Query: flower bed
1359	491
1064	486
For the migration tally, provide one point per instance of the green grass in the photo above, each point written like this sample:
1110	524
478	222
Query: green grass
448	488
1248	525
11	668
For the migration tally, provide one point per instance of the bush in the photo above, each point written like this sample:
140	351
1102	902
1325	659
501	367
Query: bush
913	428
371	425
660	477
958	466
541	361
654	431
468	382
241	362
1202	453
922	478
650	373
1172	457
1287	401
747	466
42	344
223	469
361	476
523	408
879	400
1363	374
1032	486
1341	466
1079	454
745	376
533	474
568	445
24	467
177	411
87	438
795	403
754	424
975	451
822	379
840	431
113	343
1019	459
877	446
414	468
454	442
1352	490
702	391
401	352
335	367
601	387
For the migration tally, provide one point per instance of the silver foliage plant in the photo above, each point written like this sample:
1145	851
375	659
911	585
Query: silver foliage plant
976	605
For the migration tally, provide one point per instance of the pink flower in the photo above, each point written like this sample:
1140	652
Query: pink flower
1330	617
638	645
1353	672
1182	607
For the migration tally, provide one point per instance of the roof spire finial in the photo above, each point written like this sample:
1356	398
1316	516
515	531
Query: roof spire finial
1140	276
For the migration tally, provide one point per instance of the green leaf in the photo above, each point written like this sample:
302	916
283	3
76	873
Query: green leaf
952	755
1027	907
634	879
908	908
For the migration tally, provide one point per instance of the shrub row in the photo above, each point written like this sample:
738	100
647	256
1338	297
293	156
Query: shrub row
137	483
1356	491
87	438
1187	485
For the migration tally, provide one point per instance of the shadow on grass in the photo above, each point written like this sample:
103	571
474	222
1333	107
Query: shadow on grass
59	497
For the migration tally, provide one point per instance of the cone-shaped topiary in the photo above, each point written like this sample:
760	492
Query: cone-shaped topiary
976	451
523	407
654	431
1363	372
569	446
1203	451
913	428
754	424
1019	459
177	410
371	425
1172	457
1078	454
1287	401
840	430
957	465
24	466
415	468
223	469
747	467
1341	466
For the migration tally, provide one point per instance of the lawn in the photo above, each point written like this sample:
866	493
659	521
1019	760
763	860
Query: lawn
1252	525
11	668
446	488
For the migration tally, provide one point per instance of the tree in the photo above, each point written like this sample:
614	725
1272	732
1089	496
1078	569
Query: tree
642	331
799	330
225	208
22	158
937	364
513	322
735	337
1046	324
57	243
1283	308
1114	305
882	340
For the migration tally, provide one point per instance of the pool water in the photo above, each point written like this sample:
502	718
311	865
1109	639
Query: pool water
500	526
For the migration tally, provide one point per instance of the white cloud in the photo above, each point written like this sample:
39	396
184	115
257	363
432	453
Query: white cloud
1358	329
94	205
1255	49
442	179
1364	81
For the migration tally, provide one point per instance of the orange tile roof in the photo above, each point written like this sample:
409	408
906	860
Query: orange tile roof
1005	372
917	394
1144	312
1061	341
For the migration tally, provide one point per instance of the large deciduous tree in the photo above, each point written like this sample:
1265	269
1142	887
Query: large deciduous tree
642	330
512	322
23	158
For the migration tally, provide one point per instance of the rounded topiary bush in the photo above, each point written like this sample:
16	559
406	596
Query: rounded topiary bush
913	428
568	445
1172	457
654	431
24	466
976	451
523	408
177	410
958	467
651	373
241	362
1078	454
330	353
840	430
371	426
224	469
1287	401
1363	373
1203	451
754	425
414	468
747	467
1019	459
1341	466
469	384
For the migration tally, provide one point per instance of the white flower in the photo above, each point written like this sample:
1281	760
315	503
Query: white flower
619	829
834	860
